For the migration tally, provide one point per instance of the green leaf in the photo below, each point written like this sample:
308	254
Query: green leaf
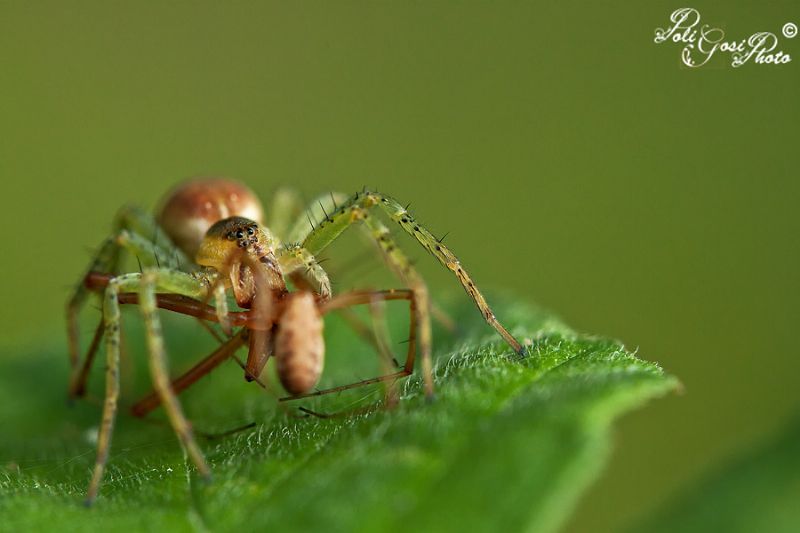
760	492
508	443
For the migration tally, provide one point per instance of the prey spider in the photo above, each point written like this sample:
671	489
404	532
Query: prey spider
218	223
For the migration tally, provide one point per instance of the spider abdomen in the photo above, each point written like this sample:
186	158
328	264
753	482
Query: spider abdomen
299	344
193	206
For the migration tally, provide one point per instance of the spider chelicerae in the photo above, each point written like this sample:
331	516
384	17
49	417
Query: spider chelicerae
218	223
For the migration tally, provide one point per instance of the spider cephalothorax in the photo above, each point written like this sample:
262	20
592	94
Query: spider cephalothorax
244	231
227	247
208	239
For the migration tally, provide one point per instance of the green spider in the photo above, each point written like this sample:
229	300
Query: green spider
218	222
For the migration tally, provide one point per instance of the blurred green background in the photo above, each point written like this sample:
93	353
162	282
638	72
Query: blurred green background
574	161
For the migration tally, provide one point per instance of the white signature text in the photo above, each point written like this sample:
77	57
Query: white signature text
702	42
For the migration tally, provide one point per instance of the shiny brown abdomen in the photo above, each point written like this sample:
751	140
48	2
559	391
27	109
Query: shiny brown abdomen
193	206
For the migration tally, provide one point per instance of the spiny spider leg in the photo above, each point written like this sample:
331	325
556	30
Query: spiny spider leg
158	369
357	207
111	318
140	222
94	280
172	281
204	313
105	260
321	211
403	269
298	263
328	211
97	282
304	270
318	210
259	324
397	261
129	225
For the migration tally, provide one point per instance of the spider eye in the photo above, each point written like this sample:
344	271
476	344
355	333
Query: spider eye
231	236
239	234
251	231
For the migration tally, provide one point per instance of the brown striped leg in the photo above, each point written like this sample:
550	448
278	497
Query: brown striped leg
77	384
189	378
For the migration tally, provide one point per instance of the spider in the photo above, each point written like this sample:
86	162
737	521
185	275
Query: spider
217	222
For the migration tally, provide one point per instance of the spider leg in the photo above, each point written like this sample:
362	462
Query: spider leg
190	377
186	306
316	214
111	320
381	333
304	270
320	212
221	308
373	333
363	330
398	263
107	261
227	348
129	225
139	221
339	303
148	253
443	318
150	280
357	208
173	281
173	302
77	382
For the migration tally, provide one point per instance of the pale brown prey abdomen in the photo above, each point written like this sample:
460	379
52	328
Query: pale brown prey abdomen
299	344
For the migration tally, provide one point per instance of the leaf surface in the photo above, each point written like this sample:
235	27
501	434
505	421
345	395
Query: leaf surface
508	443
